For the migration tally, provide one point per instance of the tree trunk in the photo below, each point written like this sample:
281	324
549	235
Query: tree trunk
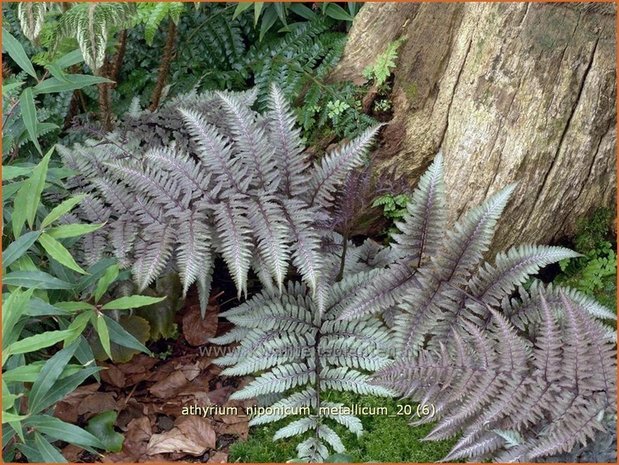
164	68
508	92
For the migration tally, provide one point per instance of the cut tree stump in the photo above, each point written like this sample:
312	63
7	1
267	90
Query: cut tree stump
508	92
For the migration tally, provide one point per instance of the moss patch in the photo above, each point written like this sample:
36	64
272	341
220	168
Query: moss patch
387	438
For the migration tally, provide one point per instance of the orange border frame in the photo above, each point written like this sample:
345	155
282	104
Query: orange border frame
389	1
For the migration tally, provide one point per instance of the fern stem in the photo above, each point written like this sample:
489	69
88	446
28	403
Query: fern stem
164	68
340	273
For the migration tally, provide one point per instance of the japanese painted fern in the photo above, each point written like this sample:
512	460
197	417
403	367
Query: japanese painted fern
298	352
218	178
517	378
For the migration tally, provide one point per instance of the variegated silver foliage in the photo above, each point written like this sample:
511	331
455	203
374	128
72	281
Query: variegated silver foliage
519	374
298	352
243	189
515	398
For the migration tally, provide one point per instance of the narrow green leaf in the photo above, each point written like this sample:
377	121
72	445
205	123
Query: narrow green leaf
302	10
280	8
106	280
29	116
77	326
29	373
74	306
337	12
17	53
63	208
8	417
69	59
134	301
59	253
58	429
240	8
34	343
72	230
268	19
18	248
48	452
65	386
12	172
35	280
49	374
20	210
38	307
104	334
35	184
257	11
122	337
71	82
13	308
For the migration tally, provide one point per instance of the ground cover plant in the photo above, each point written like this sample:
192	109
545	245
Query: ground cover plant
206	258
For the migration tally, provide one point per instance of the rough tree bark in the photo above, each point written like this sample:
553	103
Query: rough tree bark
509	92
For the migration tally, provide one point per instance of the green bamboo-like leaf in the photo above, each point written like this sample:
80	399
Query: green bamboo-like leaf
29	116
48	376
72	230
19	247
8	417
35	280
63	208
15	305
106	280
122	337
337	12
104	334
34	186
34	343
69	83
240	8
77	326
48	452
66	385
17	53
12	172
60	430
69	59
134	301
59	253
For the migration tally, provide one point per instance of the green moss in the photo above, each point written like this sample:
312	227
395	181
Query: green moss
411	90
387	438
595	273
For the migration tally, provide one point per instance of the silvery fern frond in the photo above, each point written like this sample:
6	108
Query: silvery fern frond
296	350
220	180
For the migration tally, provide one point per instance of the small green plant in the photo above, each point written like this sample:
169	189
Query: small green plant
382	105
595	272
394	208
380	71
22	120
335	108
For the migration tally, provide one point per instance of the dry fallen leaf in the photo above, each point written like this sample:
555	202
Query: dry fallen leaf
198	330
191	435
68	408
167	387
138	434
